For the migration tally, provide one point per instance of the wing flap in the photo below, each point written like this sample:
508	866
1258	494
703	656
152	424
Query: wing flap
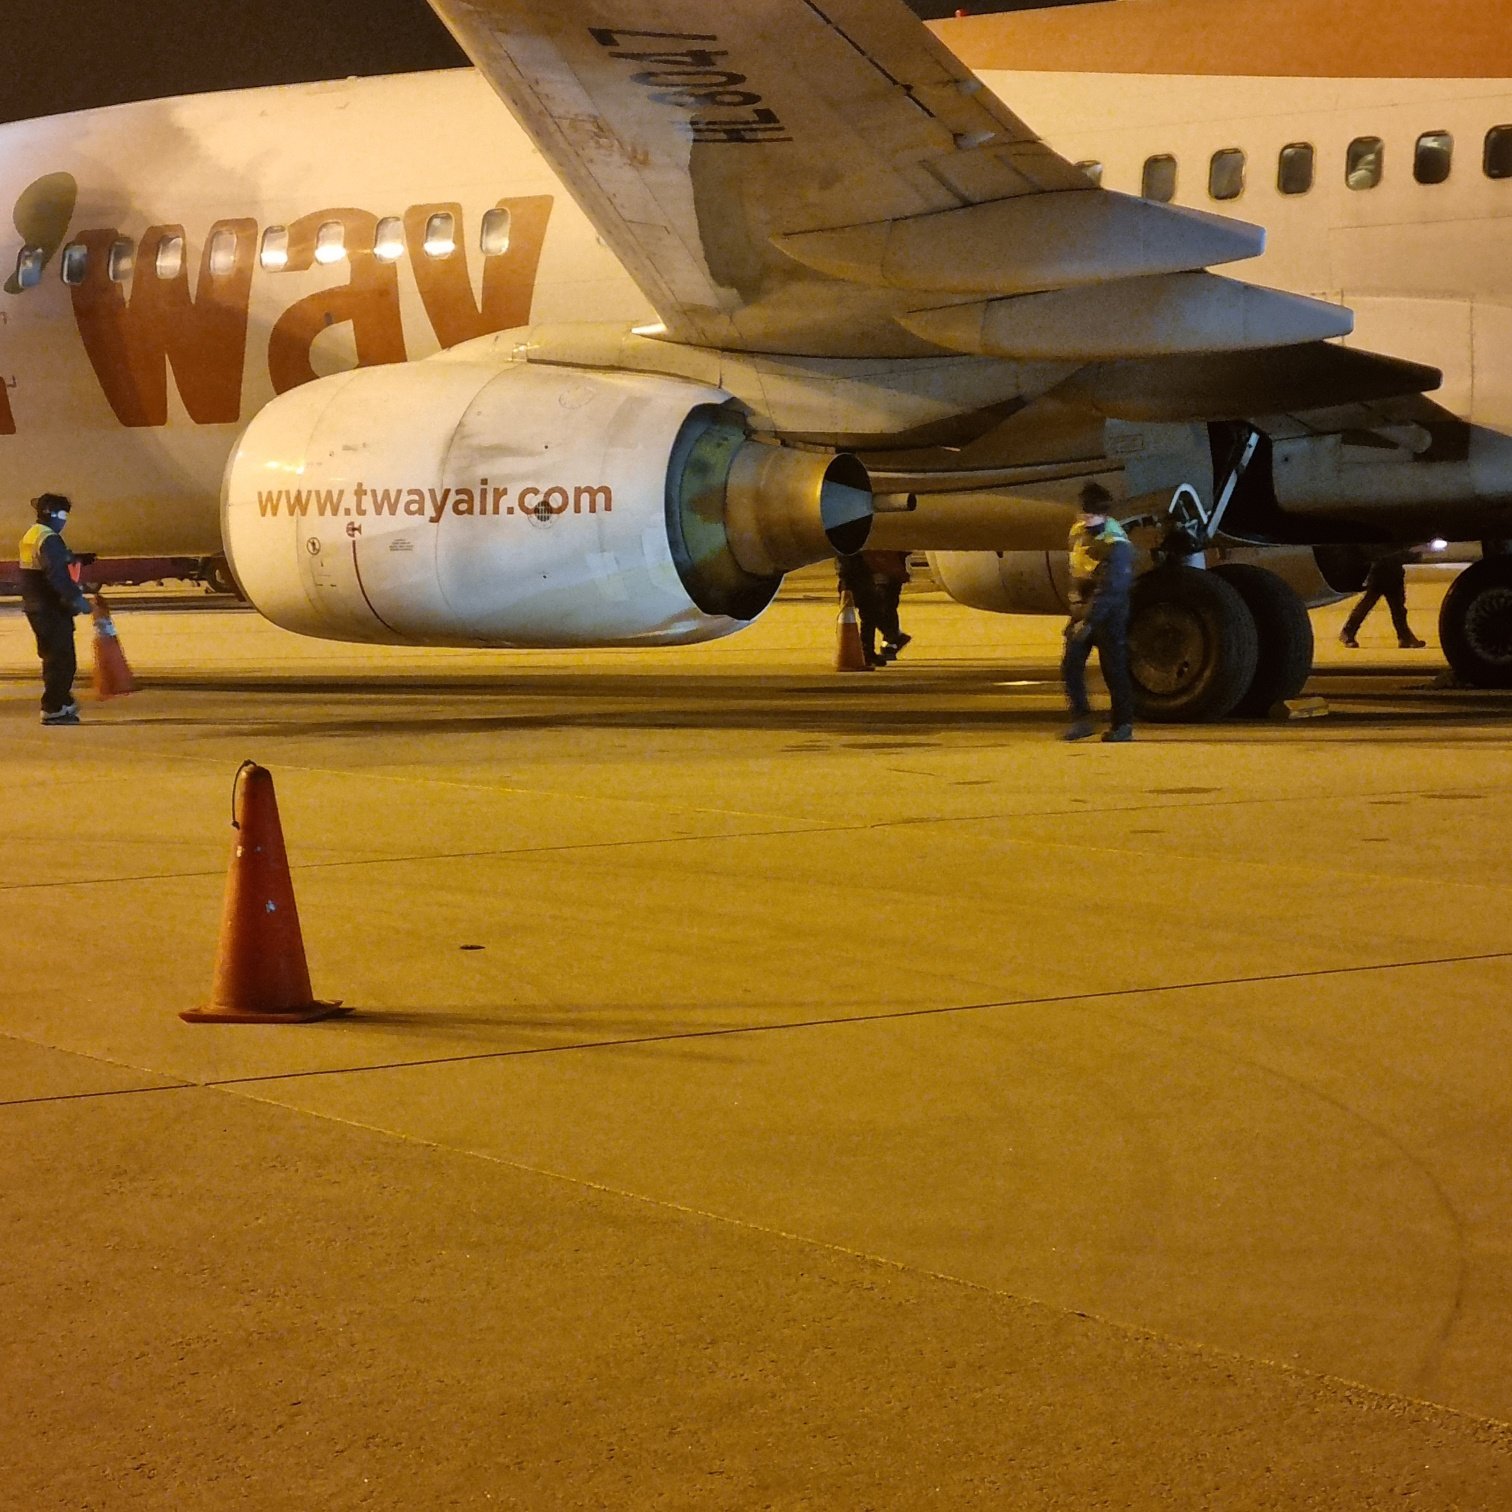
1028	243
1288	381
721	127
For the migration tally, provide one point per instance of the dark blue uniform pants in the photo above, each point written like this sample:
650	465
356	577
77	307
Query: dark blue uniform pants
54	630
1386	581
1109	633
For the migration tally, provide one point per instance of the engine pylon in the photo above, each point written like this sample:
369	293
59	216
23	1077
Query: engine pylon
849	655
260	971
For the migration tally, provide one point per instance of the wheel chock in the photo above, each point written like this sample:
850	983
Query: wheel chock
1298	708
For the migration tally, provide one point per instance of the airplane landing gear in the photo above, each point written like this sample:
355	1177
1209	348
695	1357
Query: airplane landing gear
1232	640
1475	623
1193	645
1205	644
1285	657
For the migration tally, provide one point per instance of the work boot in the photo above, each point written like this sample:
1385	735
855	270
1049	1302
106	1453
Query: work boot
67	715
893	647
1079	729
1346	638
1410	643
1118	733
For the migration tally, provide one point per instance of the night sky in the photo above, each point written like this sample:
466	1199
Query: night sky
77	53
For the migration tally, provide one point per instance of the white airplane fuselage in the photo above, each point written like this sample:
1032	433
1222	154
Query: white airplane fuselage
129	392
1423	266
147	471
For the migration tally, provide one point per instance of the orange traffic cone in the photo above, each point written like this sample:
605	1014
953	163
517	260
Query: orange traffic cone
849	657
260	971
112	676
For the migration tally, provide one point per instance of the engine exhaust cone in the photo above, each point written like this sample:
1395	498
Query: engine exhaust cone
260	971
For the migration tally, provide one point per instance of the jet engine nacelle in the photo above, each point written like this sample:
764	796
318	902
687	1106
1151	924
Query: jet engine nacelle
1038	582
1005	582
450	503
1318	575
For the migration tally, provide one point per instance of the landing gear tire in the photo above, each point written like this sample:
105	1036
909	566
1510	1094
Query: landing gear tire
1192	645
216	576
1475	623
1285	654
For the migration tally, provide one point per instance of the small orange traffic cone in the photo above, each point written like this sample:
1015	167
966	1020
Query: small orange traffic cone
260	971
849	657
112	675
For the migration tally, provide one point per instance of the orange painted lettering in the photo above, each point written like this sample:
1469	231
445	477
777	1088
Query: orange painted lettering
509	278
369	300
203	336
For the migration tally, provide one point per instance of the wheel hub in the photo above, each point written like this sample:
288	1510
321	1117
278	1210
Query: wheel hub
1488	626
1167	648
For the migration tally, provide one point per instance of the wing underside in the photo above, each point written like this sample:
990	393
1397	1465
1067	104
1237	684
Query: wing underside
824	177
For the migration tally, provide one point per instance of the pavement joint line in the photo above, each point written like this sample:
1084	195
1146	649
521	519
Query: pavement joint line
905	1268
810	1241
151	757
63	1097
729	1032
859	827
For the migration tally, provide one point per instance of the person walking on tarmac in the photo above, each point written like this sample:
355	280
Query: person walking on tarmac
857	578
52	599
1387	579
1102	576
889	570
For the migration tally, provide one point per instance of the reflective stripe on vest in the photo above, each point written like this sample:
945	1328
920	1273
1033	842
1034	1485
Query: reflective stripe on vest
1091	548
31	547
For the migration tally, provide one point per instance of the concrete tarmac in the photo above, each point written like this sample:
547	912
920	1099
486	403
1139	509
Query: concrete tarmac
766	1087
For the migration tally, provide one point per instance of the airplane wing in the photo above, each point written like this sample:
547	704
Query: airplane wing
825	177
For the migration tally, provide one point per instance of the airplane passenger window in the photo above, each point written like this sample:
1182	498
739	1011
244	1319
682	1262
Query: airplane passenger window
1435	151
1362	163
388	239
1497	160
494	237
441	235
222	253
1093	169
75	263
275	248
122	260
1294	171
1226	174
330	242
170	257
29	266
1159	179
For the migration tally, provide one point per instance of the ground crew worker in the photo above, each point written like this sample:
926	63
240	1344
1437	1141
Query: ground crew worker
1102	575
855	577
889	570
1387	579
52	599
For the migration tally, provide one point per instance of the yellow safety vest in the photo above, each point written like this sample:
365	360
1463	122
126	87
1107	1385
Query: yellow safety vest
31	547
1091	548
